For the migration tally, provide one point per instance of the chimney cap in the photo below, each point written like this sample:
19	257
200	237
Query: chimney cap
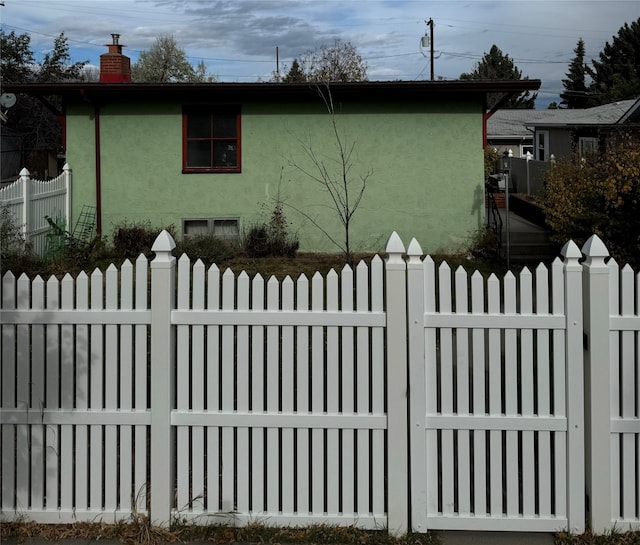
115	40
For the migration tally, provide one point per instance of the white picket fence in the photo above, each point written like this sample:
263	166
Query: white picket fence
31	200
393	395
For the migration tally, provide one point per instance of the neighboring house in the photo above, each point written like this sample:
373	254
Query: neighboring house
559	132
582	130
10	156
509	130
213	157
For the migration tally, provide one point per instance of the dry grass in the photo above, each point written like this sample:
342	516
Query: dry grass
139	531
613	537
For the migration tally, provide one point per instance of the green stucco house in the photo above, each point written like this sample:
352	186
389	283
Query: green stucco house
215	157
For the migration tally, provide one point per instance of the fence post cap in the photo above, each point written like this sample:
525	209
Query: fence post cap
571	251
24	172
595	252
66	167
395	249
162	246
594	247
414	252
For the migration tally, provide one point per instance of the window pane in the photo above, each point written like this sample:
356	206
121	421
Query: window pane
199	153
225	154
199	126
224	125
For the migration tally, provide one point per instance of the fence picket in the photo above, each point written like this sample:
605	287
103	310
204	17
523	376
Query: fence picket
376	288
332	377
287	404
82	357
125	403
67	400
52	397
526	393
614	355
183	386
37	398
22	397
96	396
463	457
198	392
228	394
479	398
446	390
431	385
243	460
9	361
303	475
111	394
560	394
257	399
511	398
496	365
543	391
274	392
347	378
213	397
317	444
141	354
628	395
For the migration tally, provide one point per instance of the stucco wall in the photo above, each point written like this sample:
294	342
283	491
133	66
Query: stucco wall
426	163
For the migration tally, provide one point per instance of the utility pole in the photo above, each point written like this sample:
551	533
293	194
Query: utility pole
431	25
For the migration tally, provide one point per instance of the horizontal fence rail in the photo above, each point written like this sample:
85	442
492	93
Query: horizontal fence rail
174	390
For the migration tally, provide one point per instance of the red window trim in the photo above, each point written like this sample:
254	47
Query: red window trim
212	169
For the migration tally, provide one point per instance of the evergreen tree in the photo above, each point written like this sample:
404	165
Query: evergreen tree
31	122
295	73
575	90
16	57
495	65
616	76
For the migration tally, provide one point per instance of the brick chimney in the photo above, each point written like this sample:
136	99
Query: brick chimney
114	66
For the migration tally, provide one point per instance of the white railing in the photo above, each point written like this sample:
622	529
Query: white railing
215	397
32	201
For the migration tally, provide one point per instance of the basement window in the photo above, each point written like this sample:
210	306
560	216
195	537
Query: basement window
211	139
223	228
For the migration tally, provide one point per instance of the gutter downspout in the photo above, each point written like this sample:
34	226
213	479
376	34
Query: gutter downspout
96	119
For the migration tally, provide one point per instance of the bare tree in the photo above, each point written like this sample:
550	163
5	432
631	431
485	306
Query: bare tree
339	62
334	175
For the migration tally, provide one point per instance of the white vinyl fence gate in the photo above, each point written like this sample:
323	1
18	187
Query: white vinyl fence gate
395	395
31	201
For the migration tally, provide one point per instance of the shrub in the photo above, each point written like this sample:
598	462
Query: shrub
598	195
208	248
16	254
272	238
491	158
132	239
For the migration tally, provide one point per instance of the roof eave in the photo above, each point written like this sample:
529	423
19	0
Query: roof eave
374	90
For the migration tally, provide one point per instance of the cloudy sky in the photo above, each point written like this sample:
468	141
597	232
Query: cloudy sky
238	39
